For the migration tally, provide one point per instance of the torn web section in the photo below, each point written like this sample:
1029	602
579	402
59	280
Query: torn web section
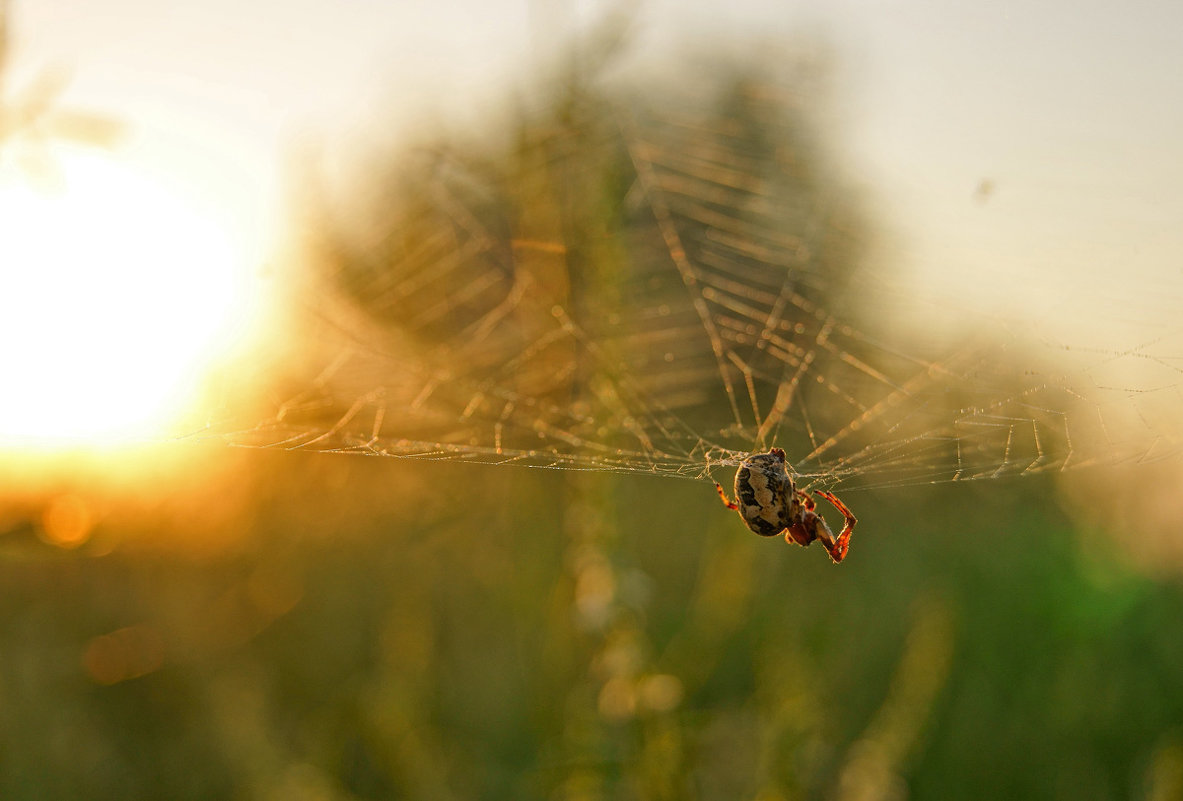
626	288
487	315
655	287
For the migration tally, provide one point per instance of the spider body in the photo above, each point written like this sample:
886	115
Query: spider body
769	503
766	494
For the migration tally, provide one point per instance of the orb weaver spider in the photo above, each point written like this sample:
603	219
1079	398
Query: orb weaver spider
770	503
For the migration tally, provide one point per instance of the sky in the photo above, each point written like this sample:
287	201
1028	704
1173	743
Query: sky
1067	112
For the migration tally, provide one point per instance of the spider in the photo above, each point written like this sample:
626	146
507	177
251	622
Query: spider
770	503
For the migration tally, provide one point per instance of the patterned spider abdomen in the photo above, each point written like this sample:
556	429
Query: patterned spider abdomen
765	492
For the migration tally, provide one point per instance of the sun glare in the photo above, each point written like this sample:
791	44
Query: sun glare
115	297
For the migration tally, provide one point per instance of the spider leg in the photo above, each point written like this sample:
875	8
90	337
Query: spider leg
806	500
723	497
837	546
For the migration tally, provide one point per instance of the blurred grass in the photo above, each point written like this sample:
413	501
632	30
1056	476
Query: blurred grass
459	631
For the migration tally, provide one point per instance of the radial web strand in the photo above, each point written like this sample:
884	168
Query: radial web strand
665	288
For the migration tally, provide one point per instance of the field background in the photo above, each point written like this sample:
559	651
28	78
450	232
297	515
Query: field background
361	628
188	620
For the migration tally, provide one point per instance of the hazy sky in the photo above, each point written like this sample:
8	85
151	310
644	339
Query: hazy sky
1071	110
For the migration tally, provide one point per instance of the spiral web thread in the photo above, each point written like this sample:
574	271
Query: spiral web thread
666	291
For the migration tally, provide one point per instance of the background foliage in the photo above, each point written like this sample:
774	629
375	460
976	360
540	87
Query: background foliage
277	625
549	636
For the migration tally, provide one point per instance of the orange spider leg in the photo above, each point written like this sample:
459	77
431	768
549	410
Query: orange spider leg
840	545
723	497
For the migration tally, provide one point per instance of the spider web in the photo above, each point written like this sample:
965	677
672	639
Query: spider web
666	287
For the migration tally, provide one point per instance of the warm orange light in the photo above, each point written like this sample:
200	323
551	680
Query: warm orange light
115	295
67	521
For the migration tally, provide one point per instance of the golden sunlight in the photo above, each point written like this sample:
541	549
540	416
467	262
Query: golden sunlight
116	297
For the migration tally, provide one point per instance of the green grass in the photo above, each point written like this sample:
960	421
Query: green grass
427	644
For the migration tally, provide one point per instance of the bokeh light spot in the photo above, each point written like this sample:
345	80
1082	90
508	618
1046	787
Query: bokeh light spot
67	521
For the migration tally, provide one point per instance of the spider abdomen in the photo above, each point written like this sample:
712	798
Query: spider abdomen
764	491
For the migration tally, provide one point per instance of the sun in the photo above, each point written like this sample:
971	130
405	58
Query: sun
116	296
